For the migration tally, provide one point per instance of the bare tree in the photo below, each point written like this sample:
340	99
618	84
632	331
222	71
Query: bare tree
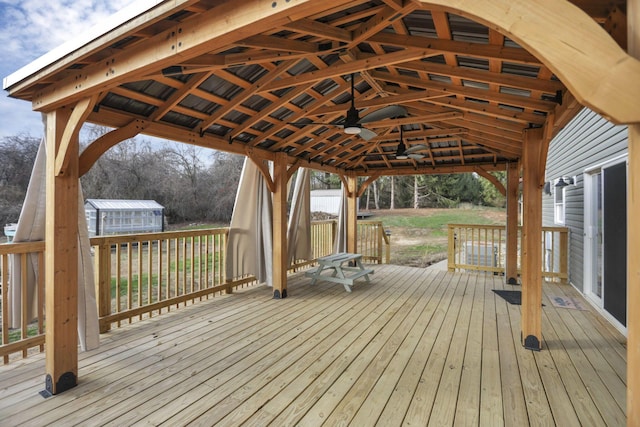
416	192
17	154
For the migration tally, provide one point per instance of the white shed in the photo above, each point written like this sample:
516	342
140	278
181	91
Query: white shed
106	216
327	201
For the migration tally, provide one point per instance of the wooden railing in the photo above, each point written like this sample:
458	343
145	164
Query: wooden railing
373	242
143	275
30	333
483	248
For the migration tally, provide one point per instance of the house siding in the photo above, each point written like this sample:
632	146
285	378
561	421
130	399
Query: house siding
588	140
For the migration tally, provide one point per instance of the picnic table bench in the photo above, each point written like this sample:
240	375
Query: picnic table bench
335	264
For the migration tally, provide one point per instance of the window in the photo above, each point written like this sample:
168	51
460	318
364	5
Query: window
558	205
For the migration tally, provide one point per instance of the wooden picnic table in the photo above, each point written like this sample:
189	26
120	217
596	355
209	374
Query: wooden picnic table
340	273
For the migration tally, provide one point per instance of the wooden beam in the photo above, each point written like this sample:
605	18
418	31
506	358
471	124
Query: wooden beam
293	167
367	182
582	55
319	29
380	21
501	98
61	258
177	96
415	134
423	119
247	93
406	96
446	102
264	170
599	10
345	183
531	249
81	111
513	187
279	43
346	68
280	259
97	148
492	179
265	112
489	77
633	240
441	46
425	169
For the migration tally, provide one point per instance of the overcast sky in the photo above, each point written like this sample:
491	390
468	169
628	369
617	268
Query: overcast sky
31	28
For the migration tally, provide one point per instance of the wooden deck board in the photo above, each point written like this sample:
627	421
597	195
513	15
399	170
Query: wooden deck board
411	347
490	410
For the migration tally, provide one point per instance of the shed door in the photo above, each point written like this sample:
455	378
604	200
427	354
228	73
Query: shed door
615	241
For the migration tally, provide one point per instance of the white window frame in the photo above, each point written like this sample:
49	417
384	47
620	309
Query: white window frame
559	207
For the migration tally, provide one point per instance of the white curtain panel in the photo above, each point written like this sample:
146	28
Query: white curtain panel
31	227
250	242
299	227
340	244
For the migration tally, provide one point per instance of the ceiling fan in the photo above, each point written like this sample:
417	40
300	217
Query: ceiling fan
403	153
352	123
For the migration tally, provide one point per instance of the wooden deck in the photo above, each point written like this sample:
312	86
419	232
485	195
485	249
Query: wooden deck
412	347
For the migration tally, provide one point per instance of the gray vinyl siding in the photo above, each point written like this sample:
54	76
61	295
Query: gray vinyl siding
588	140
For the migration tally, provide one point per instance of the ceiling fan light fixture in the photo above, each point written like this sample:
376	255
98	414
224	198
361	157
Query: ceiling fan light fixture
352	122
352	130
401	151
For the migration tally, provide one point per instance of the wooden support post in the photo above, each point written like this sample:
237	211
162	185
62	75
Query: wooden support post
61	267
532	178
513	186
280	226
352	214
633	239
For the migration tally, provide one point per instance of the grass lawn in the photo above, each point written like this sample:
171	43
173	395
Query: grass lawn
419	236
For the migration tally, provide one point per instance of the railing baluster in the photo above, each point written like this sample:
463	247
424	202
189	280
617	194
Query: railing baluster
160	274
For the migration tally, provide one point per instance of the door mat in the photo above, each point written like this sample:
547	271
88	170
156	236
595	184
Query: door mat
567	302
512	297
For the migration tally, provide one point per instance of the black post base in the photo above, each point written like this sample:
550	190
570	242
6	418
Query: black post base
277	295
512	281
66	381
532	343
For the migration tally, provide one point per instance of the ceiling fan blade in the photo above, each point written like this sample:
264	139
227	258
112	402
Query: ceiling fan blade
415	156
367	134
385	113
414	148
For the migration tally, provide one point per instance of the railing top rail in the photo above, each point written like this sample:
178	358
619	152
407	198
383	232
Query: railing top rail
128	238
22	247
369	222
324	221
555	228
495	227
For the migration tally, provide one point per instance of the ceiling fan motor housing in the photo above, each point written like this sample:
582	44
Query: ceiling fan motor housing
352	122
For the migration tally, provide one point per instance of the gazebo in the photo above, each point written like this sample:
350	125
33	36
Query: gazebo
357	88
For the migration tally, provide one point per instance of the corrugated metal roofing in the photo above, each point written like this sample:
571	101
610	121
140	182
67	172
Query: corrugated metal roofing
120	204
